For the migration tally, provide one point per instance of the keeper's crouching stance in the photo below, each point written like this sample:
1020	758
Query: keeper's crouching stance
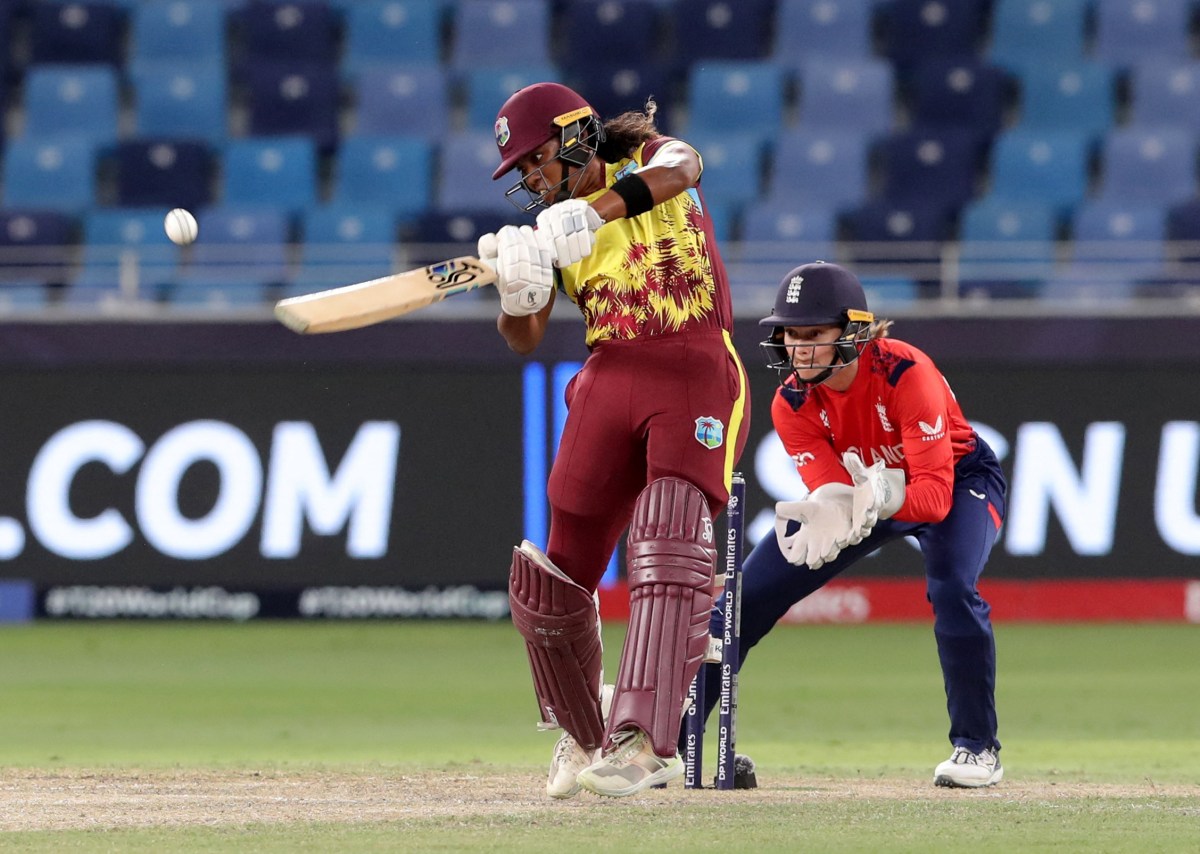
670	563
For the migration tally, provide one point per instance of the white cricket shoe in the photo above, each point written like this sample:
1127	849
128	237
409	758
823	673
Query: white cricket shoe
968	770
629	767
569	759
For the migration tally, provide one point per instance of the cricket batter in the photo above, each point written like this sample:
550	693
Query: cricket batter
656	423
879	439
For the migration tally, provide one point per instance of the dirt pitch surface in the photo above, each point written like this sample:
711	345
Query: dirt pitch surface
82	800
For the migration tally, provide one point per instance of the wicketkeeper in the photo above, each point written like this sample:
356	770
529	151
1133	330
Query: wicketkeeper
656	423
879	439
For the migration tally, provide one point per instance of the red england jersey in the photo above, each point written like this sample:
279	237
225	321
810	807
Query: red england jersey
899	409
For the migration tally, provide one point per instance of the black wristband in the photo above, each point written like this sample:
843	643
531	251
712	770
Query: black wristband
636	194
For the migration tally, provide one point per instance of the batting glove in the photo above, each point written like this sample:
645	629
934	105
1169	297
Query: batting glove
825	526
488	249
524	271
570	228
878	492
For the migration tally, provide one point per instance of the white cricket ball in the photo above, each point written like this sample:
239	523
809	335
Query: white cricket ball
181	226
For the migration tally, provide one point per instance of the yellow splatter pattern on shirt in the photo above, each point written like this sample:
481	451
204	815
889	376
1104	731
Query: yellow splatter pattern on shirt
653	274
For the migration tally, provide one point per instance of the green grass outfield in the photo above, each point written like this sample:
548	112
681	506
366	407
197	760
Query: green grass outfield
1101	727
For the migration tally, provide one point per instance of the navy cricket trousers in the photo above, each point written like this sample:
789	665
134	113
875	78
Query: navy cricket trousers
955	551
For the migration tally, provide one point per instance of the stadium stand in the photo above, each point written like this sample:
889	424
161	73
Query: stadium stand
847	95
50	174
721	29
1129	31
831	29
80	101
181	101
391	32
1166	94
244	252
276	173
410	101
1029	33
392	173
76	32
166	173
486	33
857	112
172	31
826	169
342	244
35	247
125	254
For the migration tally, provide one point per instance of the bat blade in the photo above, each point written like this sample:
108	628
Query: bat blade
356	306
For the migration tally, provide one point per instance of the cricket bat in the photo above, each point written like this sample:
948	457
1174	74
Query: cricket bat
355	306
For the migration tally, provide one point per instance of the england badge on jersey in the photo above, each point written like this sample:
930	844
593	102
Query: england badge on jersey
710	432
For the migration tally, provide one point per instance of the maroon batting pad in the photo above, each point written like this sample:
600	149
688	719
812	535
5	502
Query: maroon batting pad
558	620
670	563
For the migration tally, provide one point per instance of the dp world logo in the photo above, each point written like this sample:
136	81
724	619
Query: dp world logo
710	432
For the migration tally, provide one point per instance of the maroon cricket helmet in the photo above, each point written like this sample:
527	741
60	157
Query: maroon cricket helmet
533	115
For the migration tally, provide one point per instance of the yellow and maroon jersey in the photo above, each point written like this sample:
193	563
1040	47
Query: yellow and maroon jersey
655	274
899	409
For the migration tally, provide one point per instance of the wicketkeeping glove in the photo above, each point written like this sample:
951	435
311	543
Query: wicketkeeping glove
570	229
524	270
825	525
878	492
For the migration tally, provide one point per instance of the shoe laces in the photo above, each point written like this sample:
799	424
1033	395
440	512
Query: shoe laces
566	747
627	743
964	756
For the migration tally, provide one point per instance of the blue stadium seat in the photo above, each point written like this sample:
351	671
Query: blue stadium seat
464	182
114	238
1151	166
1130	31
1115	247
387	32
342	245
847	95
915	30
487	89
1166	94
832	29
52	175
490	33
446	234
8	11
733	167
243	249
166	173
293	99
897	240
394	173
175	31
180	101
1183	232
1068	97
827	169
43	240
292	31
742	97
962	93
25	296
592	29
785	234
279	172
932	166
1050	167
617	88
410	101
79	101
883	291
1034	32
721	29
85	32
1007	247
